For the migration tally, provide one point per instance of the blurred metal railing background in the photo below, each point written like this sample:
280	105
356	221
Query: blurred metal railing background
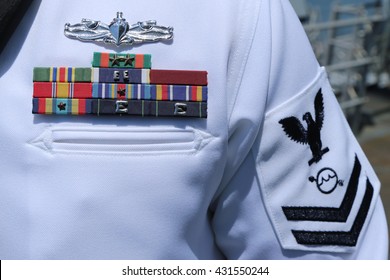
353	44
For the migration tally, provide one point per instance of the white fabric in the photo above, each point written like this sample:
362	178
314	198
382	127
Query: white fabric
147	188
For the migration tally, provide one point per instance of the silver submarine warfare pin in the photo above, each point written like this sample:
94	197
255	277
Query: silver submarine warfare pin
118	32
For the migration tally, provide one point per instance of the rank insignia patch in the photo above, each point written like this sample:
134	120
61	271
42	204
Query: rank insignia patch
318	187
334	214
120	84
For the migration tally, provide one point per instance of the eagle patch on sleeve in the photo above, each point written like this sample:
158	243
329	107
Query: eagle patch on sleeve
312	134
317	185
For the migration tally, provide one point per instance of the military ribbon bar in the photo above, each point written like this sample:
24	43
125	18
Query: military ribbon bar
120	91
120	75
63	106
62	74
120	84
108	60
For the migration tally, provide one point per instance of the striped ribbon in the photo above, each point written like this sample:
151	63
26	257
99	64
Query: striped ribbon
120	91
106	60
63	106
62	74
120	75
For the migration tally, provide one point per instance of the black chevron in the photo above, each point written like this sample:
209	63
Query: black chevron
341	238
329	214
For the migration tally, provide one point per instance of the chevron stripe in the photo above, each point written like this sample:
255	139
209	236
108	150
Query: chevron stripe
337	215
340	238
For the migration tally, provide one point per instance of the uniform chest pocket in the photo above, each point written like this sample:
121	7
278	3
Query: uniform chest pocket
132	141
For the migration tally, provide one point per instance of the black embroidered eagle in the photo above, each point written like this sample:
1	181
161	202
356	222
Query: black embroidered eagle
312	135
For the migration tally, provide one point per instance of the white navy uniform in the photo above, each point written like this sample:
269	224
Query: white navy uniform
273	173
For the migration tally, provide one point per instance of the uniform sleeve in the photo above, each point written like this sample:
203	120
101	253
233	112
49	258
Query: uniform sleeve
296	185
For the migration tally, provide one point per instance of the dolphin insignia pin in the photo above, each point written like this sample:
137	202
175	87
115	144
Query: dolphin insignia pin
118	32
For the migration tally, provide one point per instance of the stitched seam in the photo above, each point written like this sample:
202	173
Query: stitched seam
198	143
314	85
245	61
265	198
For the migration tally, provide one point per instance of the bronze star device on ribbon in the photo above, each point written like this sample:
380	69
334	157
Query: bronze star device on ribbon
120	84
118	32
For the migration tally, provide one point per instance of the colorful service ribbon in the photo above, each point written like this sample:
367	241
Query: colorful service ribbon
119	75
106	60
124	81
67	106
120	91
